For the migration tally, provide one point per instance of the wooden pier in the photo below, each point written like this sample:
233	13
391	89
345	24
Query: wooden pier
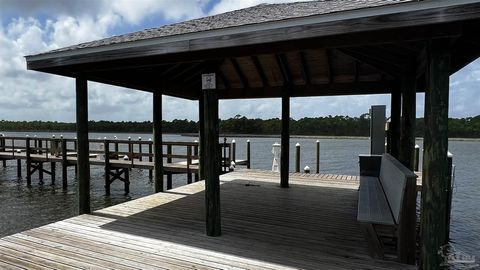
311	225
116	156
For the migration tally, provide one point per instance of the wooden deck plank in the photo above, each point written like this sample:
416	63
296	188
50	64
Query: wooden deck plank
316	229
6	266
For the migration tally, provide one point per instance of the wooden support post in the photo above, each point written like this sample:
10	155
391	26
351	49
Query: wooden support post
189	162
407	140
157	140
248	154
28	162
169	153
140	150
201	138
150	159
435	162
106	149
234	150
64	165
169	160
449	195
83	164
126	181
395	123
169	180
416	162
75	149
195	153
40	151
40	172
212	163
53	172
19	168
318	156
223	158
297	157
130	152
285	151
2	149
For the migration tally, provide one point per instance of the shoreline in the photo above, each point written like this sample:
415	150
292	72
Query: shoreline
245	135
309	136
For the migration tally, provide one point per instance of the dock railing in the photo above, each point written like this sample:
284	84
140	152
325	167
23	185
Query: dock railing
117	156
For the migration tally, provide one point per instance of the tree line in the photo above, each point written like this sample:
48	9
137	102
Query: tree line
468	127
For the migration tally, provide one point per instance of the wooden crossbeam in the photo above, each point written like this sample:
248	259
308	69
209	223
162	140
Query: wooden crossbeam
358	88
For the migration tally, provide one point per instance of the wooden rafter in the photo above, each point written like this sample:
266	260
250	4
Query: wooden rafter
184	71
328	59
170	70
260	71
374	62
222	77
355	70
284	68
239	72
304	68
194	75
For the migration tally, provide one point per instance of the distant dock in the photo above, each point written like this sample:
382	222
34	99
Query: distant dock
116	156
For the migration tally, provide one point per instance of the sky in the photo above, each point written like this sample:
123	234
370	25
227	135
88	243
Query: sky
34	26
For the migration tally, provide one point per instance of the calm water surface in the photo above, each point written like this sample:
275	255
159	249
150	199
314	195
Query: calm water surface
22	208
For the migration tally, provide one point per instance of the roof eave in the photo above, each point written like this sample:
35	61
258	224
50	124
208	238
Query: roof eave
186	39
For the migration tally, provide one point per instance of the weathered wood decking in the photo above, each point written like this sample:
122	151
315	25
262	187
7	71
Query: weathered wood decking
310	225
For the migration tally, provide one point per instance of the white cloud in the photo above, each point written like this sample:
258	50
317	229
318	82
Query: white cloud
135	11
33	95
48	24
229	5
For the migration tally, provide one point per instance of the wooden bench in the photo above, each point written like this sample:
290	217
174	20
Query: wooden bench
387	210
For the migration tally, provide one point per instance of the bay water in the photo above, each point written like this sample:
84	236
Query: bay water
23	208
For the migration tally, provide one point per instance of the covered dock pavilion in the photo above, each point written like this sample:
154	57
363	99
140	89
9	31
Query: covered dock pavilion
318	48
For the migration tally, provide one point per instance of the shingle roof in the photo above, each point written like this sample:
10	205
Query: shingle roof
253	15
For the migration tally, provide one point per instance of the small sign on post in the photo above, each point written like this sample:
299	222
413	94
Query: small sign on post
209	81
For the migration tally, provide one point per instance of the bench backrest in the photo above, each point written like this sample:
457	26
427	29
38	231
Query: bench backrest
393	177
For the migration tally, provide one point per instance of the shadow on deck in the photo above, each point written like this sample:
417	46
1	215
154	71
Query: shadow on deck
305	226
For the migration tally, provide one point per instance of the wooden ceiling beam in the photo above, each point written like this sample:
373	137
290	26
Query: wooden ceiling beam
334	89
260	71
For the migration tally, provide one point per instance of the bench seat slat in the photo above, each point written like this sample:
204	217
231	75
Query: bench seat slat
372	204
